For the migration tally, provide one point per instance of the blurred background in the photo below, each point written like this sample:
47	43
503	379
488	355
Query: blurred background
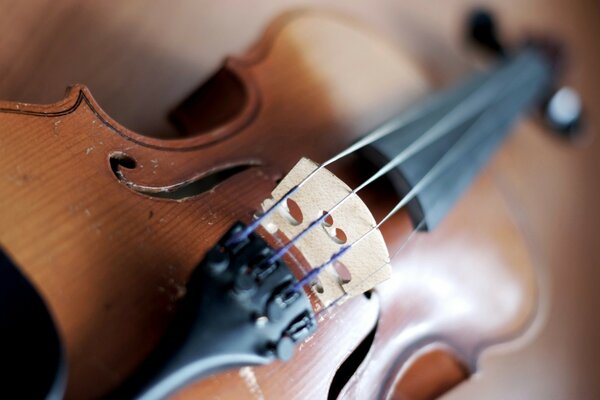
141	58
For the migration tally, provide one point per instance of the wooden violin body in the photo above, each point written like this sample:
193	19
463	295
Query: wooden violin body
108	223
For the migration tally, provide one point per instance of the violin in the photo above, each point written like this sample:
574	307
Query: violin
239	260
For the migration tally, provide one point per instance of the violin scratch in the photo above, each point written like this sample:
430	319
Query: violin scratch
249	378
57	126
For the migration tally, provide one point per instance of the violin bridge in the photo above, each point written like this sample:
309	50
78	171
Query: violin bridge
361	268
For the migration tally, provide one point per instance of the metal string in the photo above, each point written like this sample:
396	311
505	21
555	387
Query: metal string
470	107
406	117
467	141
339	300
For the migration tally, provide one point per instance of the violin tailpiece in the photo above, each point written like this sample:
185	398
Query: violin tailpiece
236	312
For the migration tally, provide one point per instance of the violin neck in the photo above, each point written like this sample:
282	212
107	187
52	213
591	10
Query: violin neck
453	134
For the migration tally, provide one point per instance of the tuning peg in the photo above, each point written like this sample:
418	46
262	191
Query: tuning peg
482	30
563	112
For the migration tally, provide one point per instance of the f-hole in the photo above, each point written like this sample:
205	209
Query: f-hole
179	191
351	364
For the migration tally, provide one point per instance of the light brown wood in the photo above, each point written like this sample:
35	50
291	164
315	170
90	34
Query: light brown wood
368	263
435	370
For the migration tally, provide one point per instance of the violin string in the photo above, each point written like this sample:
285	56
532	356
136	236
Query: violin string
466	142
473	104
339	299
408	116
403	244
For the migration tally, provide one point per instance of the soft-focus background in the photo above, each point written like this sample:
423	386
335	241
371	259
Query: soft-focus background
140	58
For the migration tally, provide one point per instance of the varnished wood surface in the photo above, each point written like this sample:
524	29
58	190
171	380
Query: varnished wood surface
50	47
304	94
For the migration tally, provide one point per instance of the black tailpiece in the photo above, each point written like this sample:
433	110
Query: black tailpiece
236	312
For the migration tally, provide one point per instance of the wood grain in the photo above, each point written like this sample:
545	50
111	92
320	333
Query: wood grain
124	256
47	45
